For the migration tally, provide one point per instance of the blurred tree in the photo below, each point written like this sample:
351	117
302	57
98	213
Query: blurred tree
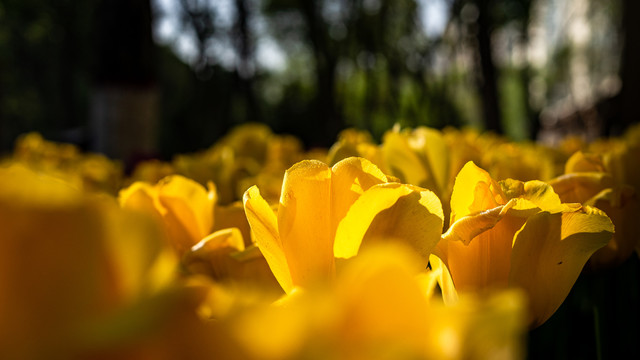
44	68
124	100
372	64
482	19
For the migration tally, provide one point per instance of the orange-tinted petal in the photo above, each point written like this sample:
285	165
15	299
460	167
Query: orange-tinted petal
304	222
485	260
580	187
549	253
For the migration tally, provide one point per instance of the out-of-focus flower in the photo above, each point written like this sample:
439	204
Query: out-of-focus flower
519	161
376	309
184	207
89	172
151	171
250	154
81	277
419	157
210	240
359	143
518	234
222	256
330	212
587	181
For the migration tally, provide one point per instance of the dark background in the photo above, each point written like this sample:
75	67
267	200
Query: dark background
99	73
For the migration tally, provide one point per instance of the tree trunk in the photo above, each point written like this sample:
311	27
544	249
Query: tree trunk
487	83
629	70
125	98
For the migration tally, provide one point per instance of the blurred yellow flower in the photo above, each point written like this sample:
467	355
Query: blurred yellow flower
515	234
587	181
376	309
184	207
69	263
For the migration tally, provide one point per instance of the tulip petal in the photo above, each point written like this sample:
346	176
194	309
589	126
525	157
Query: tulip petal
350	178
444	280
188	203
233	215
549	253
304	221
479	248
402	160
473	191
623	208
264	228
382	298
581	162
140	196
536	193
580	187
391	212
430	143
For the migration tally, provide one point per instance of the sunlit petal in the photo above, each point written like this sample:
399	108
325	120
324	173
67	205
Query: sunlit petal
264	227
350	178
304	221
549	253
189	202
474	191
391	212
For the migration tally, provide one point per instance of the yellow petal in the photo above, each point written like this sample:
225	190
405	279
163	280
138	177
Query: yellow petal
233	215
549	253
142	260
391	212
431	144
623	208
474	191
383	301
480	259
444	280
304	222
140	196
350	178
580	187
536	192
402	160
264	228
188	203
581	162
212	255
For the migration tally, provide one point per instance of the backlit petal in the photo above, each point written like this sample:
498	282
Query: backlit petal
188	203
391	212
549	253
580	187
474	191
264	228
484	261
350	178
304	221
402	160
623	208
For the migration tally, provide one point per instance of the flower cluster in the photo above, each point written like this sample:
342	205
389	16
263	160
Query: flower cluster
432	244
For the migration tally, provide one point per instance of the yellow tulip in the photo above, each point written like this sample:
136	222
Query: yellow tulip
69	264
377	309
515	234
353	142
588	182
184	207
331	212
